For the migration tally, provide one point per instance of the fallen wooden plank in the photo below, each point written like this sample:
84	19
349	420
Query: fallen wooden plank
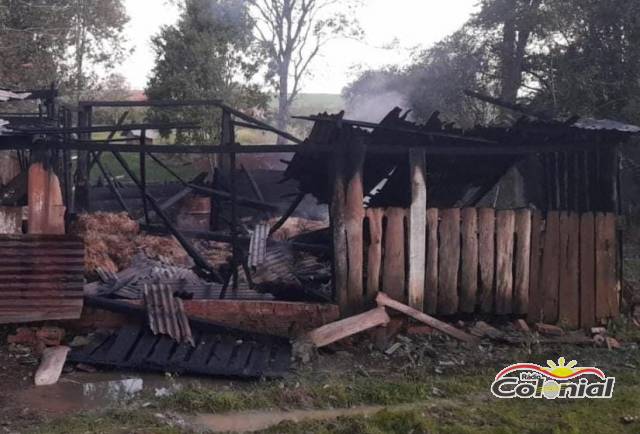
384	300
50	369
338	330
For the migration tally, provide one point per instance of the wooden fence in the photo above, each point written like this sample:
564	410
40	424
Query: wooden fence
558	269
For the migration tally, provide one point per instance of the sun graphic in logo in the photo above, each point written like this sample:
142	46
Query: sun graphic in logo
561	369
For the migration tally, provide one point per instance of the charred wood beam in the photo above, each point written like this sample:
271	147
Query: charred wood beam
139	311
199	260
143	176
80	129
252	182
112	186
511	106
112	134
411	131
292	208
252	120
242	239
158	103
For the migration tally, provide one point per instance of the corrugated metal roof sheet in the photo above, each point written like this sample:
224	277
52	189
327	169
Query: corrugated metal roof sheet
41	278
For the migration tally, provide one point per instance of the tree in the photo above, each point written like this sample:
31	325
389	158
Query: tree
61	41
292	34
33	40
207	55
96	37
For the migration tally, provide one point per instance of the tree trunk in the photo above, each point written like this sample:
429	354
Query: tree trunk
283	99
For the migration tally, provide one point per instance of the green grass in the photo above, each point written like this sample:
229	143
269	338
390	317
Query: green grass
110	421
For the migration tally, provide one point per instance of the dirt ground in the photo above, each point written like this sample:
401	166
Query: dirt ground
429	384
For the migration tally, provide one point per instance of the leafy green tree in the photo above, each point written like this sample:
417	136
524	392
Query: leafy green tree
208	54
62	41
292	33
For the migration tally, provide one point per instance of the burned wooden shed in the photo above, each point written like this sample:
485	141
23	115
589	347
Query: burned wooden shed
517	221
499	221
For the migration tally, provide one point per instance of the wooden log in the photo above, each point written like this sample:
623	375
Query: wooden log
449	261
607	303
333	332
505	232
374	253
417	229
569	291
469	269
354	219
523	262
551	267
431	278
587	271
384	300
51	365
536	292
338	226
486	257
393	275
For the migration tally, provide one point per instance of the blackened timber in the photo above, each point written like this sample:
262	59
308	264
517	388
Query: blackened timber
111	184
83	128
240	200
14	143
143	176
292	208
199	260
111	136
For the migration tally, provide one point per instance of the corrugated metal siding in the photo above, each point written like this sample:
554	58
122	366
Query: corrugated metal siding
41	277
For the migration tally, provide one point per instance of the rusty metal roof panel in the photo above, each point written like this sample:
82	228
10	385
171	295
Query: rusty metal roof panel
41	278
166	313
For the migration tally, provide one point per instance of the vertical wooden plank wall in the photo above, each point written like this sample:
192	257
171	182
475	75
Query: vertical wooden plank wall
417	223
558	269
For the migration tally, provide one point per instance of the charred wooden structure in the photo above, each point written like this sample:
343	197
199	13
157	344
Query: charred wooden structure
501	221
417	213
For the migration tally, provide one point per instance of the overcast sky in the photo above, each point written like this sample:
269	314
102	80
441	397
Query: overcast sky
413	23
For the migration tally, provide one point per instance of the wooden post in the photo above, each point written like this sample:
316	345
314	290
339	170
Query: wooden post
550	279
505	231
338	227
536	292
417	228
393	274
522	262
83	186
354	220
569	293
431	280
143	175
469	269
374	253
449	261
486	257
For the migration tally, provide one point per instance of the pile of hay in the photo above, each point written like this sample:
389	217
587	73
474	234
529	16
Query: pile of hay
112	240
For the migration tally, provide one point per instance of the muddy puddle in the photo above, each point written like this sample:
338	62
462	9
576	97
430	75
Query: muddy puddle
260	420
84	391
